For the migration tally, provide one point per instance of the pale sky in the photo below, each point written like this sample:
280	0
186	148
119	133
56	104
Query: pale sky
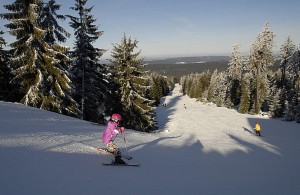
169	28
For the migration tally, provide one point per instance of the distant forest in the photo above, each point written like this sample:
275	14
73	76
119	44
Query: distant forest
169	68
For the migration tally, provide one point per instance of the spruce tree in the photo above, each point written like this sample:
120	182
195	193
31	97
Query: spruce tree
235	68
89	76
293	77
297	113
42	82
261	57
284	85
130	79
289	114
274	102
49	20
183	82
245	94
211	95
5	74
234	76
221	87
158	87
195	87
286	50
54	37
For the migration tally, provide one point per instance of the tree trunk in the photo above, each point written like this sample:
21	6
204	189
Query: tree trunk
256	95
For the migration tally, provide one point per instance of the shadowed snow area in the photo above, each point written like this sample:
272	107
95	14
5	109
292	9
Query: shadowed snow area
198	149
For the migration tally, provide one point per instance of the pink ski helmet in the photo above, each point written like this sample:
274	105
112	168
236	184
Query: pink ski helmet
116	117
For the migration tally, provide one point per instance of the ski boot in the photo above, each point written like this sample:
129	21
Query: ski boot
118	159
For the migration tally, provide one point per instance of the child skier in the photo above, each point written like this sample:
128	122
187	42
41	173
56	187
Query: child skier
110	133
257	129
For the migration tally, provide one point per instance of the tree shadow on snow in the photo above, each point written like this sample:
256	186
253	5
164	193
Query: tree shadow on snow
255	165
151	144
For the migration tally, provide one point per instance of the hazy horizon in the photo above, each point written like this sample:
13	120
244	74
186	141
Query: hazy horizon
184	28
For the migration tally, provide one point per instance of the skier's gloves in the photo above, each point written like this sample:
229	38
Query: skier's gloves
116	131
122	129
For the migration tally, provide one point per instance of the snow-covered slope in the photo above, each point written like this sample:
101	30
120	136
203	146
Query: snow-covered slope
202	149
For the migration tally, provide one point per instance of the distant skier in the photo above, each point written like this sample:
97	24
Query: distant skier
257	129
110	133
184	106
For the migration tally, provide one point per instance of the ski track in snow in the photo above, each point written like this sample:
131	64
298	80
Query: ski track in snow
202	149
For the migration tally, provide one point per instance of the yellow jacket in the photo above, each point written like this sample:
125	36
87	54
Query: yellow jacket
257	127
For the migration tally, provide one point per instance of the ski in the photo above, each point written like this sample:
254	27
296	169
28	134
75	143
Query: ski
120	165
104	150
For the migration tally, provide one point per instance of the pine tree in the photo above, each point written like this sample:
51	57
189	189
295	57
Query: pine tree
235	69
245	94
89	76
297	113
196	90
234	76
274	102
158	87
43	83
195	84
211	95
287	50
48	20
54	36
130	79
221	88
293	69
5	75
289	114
261	57
264	91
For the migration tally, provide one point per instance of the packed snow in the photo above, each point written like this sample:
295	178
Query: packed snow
200	149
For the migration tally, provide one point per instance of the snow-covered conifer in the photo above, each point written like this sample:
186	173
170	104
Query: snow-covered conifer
274	102
234	76
42	82
49	20
195	85
293	77
5	73
195	89
90	77
261	57
297	113
131	83
217	88
289	114
235	69
159	87
286	50
245	94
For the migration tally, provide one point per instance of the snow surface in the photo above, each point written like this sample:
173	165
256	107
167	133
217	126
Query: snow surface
202	149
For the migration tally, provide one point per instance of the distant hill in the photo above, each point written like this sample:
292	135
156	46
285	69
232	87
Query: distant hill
190	60
186	65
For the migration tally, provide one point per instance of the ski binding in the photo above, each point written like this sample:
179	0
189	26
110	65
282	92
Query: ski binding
104	150
119	164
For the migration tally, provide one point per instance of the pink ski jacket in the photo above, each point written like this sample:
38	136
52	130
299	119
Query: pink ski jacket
111	130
